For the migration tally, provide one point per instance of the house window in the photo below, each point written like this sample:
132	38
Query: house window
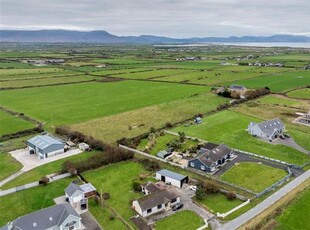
203	167
173	200
159	206
192	164
149	210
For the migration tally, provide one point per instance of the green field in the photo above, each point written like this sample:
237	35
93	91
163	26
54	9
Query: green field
230	128
8	72
183	220
279	82
8	165
296	216
30	200
50	168
253	176
69	104
12	124
301	93
219	203
113	180
278	100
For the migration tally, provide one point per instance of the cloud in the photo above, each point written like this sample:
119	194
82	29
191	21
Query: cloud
174	18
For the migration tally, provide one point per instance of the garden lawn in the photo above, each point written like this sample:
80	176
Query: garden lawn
12	124
117	179
219	203
229	127
301	93
253	176
36	173
30	200
277	83
8	165
296	216
183	220
68	104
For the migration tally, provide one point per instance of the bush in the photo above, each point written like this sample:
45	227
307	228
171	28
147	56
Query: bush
112	217
200	193
149	165
136	186
212	187
106	195
44	180
231	195
168	125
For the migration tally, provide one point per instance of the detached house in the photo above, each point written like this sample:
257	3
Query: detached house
61	217
157	201
77	194
210	157
238	88
268	130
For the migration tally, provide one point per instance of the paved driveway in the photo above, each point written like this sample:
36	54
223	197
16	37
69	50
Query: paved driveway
90	222
30	161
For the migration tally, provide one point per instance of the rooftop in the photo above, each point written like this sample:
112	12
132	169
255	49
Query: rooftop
173	175
43	141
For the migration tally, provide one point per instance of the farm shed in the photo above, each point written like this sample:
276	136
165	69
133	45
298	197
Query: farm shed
171	177
45	146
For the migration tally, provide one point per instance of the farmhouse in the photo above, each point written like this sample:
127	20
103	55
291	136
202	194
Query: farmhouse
238	88
77	194
61	216
45	146
268	130
210	157
162	200
173	178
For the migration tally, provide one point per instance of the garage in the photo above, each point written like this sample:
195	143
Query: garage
172	178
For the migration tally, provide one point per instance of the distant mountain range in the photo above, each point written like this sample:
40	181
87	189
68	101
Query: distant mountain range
53	36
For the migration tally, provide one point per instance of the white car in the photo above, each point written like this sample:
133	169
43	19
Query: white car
193	187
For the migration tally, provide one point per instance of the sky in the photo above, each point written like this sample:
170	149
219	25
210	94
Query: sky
172	18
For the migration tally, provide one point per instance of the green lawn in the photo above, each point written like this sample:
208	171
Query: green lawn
253	176
161	143
219	203
229	127
278	83
301	93
184	220
296	216
8	165
12	124
69	104
36	173
117	180
24	202
278	100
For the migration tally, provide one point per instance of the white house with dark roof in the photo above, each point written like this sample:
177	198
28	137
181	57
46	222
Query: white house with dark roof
58	217
173	178
268	130
45	146
159	201
77	194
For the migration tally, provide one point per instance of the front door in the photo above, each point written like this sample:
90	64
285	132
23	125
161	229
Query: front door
163	178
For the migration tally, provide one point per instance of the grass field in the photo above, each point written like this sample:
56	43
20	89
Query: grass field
229	127
301	93
12	124
117	180
183	220
7	72
114	127
80	102
37	173
296	216
253	176
30	200
219	203
8	165
279	100
279	82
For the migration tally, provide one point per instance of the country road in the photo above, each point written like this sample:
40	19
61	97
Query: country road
238	222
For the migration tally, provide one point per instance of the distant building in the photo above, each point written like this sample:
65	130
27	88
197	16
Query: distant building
45	146
268	130
210	157
61	216
238	88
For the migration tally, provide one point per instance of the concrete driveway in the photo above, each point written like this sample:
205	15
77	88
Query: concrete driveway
32	161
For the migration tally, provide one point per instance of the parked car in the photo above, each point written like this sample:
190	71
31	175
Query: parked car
193	187
177	206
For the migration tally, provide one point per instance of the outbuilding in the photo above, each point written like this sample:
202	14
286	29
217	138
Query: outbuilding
45	146
171	177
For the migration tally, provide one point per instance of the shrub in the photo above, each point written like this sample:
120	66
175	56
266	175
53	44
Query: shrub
231	195
112	217
106	195
212	187
136	186
149	165
200	193
182	136
168	125
44	180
